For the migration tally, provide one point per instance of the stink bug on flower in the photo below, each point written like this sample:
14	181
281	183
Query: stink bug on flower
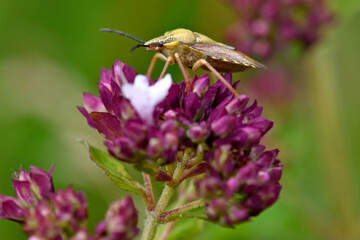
194	50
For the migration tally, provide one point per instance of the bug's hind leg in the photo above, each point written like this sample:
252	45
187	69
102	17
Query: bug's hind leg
153	61
183	70
203	62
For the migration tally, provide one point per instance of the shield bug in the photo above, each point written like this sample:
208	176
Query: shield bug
194	50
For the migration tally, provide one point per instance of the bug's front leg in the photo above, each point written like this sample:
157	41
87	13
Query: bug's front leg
169	60
183	70
203	62
152	64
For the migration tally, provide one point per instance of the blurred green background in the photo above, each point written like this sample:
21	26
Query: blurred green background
52	51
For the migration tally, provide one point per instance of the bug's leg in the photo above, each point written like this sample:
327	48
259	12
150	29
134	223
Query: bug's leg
184	70
169	60
213	77
203	62
152	64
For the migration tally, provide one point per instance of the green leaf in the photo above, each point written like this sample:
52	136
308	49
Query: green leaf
115	170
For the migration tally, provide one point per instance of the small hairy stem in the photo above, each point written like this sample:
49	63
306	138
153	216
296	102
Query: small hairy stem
153	217
186	207
149	192
181	201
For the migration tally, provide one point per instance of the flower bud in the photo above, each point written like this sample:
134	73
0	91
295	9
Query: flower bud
120	222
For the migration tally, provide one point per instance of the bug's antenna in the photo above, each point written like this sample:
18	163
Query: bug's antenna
139	45
121	33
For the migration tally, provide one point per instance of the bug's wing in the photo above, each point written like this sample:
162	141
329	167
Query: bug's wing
227	55
202	39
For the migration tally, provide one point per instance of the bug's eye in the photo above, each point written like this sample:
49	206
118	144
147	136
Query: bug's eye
161	44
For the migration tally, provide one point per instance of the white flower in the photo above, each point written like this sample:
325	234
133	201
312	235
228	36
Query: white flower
143	97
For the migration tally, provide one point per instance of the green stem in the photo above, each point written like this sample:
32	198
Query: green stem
149	192
181	201
153	217
168	216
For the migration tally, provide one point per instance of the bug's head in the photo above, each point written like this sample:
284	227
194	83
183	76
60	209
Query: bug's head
170	39
156	44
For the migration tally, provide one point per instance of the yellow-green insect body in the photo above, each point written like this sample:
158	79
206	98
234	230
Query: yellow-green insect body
195	50
193	46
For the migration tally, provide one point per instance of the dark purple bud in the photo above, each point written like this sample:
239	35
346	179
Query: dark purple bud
93	103
216	208
24	192
275	174
194	171
107	125
201	85
253	135
267	158
69	209
219	111
263	177
120	70
237	105
256	152
232	185
261	123
10	209
105	95
34	185
123	110
105	77
263	198
41	182
209	187
224	126
246	173
162	176
122	148
22	175
171	101
238	213
135	130
192	103
155	148
169	124
81	234
170	114
198	132
120	222
101	229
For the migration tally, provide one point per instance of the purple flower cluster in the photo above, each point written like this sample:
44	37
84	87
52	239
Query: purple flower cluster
129	137
120	222
63	218
46	214
223	133
265	27
240	183
30	187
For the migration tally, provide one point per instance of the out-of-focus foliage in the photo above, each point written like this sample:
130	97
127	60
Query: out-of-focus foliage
50	52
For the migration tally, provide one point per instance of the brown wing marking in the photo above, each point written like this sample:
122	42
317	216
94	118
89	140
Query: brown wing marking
227	55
